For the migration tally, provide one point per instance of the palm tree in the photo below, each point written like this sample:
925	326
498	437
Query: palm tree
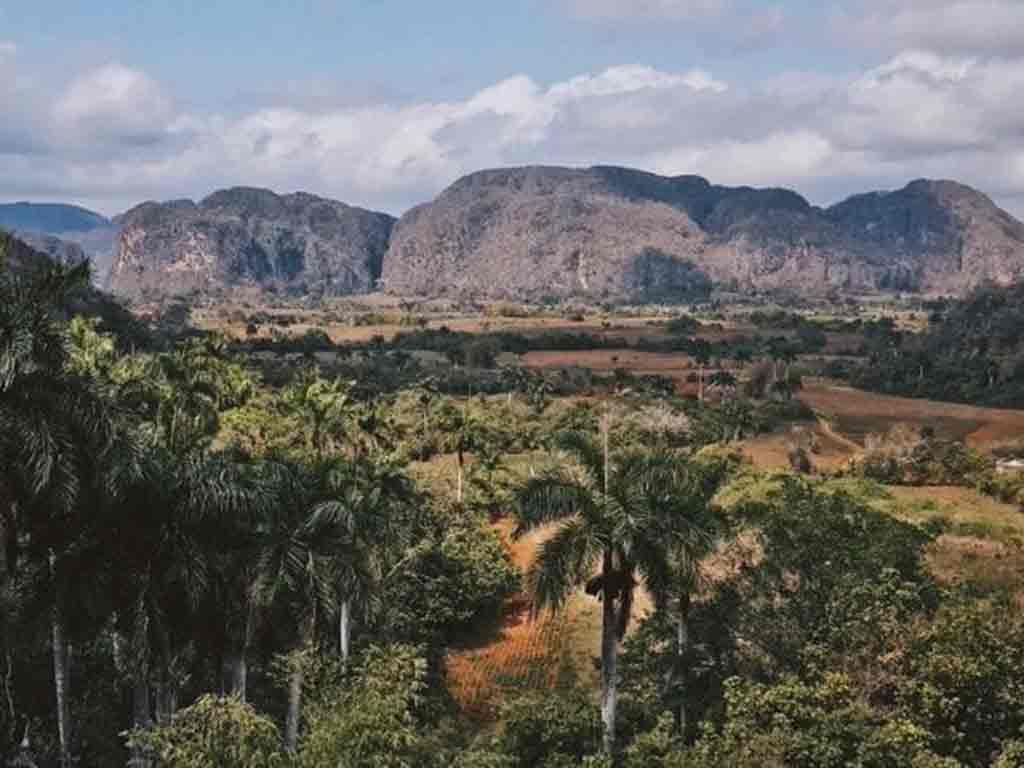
171	525
352	523
55	432
323	407
294	573
606	533
701	352
679	493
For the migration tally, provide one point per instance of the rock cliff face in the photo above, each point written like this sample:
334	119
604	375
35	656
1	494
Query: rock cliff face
246	236
619	233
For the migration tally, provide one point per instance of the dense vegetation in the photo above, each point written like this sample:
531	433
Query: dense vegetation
973	352
205	567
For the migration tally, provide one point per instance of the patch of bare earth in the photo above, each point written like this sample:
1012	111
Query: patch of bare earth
857	414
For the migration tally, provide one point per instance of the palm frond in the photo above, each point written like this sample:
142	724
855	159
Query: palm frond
586	451
564	562
548	498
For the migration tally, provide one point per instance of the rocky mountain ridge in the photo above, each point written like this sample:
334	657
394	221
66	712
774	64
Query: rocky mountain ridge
247	236
535	232
618	233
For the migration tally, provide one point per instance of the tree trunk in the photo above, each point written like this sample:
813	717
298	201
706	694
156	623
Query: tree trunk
235	672
459	475
140	756
700	385
609	662
682	647
62	684
236	675
291	726
345	629
61	676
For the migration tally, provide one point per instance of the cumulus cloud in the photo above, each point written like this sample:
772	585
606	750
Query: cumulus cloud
945	26
118	138
113	104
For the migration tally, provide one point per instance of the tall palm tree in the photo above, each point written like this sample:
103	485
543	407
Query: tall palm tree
55	432
357	525
606	535
294	573
679	493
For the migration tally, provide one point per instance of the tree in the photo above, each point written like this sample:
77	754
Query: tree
222	732
323	408
606	532
679	494
55	433
701	352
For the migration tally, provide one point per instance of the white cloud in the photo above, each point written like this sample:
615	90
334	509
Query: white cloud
646	9
113	103
120	138
947	26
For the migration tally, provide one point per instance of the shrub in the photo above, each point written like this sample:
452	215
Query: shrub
216	732
552	729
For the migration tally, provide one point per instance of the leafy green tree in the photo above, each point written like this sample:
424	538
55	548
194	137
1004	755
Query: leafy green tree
372	719
215	733
551	729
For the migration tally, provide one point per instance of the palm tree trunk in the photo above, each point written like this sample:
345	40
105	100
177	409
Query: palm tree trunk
236	665
682	646
62	684
609	668
61	675
345	629
295	682
140	756
291	726
460	472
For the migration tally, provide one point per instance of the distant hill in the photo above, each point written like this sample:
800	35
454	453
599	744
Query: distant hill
63	231
50	218
615	232
244	236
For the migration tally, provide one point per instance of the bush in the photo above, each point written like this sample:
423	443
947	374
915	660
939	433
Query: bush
216	732
371	720
552	729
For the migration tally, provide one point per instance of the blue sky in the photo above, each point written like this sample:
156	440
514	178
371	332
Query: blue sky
384	102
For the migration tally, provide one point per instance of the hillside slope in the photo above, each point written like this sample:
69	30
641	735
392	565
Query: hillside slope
615	232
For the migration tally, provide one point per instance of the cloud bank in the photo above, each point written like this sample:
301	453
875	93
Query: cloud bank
114	136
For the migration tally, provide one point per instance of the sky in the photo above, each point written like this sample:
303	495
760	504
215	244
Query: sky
384	103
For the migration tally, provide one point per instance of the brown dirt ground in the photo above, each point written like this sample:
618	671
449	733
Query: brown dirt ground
857	413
